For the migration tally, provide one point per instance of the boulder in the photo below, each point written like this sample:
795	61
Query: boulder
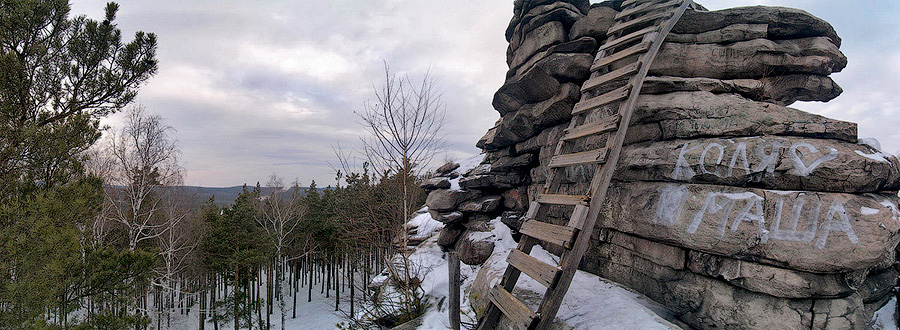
435	183
516	199
510	163
699	114
483	204
558	11
491	181
566	67
783	23
446	168
728	34
781	90
539	39
474	247
775	281
808	231
595	25
449	235
533	86
531	118
786	163
513	220
447	217
749	59
447	200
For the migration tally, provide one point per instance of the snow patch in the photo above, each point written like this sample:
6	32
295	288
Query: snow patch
425	225
592	302
884	317
871	142
465	165
893	207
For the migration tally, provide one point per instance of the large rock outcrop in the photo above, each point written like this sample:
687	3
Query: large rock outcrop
729	207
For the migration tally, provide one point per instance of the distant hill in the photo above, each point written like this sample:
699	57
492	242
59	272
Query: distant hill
227	195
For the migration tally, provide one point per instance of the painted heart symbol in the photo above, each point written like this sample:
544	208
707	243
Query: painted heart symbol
800	166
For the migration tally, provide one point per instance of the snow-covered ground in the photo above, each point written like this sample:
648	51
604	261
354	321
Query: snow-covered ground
591	303
318	314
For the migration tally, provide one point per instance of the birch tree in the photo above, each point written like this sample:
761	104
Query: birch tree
404	123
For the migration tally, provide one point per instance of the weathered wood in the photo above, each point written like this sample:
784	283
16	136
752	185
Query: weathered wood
601	100
620	55
579	215
637	22
645	8
538	270
629	3
617	74
556	199
600	183
597	127
610	44
453	267
548	232
579	158
519	315
492	315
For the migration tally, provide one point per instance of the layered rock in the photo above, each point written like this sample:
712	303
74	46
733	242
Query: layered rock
729	207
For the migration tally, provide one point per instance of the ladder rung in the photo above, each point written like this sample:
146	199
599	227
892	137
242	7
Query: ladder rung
628	38
579	158
622	72
597	127
561	199
627	3
519	314
638	21
601	100
560	235
538	270
647	7
620	55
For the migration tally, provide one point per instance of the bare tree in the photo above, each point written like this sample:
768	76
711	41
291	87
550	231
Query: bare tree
280	215
145	162
404	123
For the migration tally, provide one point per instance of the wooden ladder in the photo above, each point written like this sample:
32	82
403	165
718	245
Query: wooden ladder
608	101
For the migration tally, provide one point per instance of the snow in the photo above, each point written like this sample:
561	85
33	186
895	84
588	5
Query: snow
868	210
877	156
465	165
871	142
424	224
318	314
591	303
884	317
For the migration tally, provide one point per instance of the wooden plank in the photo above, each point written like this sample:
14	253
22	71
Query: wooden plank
579	158
538	270
609	44
579	215
638	21
647	7
597	127
560	235
620	55
519	315
601	100
616	74
600	185
627	3
561	199
453	268
492	315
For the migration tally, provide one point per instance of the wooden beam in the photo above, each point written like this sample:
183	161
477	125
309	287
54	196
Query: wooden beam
601	100
647	7
556	199
638	21
538	270
579	158
617	74
628	38
620	55
519	315
601	126
550	233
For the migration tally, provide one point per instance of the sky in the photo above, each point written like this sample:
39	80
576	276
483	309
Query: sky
255	88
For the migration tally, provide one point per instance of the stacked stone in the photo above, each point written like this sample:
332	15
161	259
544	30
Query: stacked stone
728	207
549	59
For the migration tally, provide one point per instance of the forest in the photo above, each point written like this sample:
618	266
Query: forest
97	230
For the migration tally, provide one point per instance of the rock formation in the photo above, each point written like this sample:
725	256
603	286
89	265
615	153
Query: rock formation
729	207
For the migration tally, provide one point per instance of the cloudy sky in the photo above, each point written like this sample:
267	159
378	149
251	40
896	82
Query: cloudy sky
255	88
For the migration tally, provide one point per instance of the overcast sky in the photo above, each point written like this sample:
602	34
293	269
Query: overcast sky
255	88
